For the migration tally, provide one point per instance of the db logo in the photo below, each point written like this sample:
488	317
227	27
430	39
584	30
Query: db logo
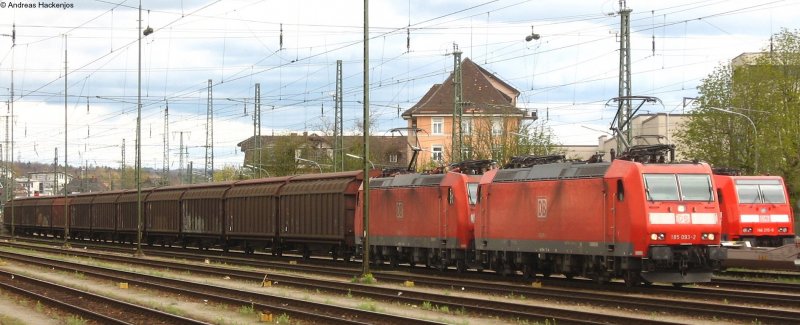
541	211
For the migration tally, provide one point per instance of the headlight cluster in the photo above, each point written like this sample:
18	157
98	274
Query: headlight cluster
658	236
783	229
708	236
747	229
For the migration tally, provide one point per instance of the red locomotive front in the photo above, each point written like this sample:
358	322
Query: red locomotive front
641	222
755	209
682	222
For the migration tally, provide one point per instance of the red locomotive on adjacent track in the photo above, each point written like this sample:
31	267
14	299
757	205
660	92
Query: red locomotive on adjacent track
755	209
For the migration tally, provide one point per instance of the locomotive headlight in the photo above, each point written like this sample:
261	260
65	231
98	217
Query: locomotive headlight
653	236
711	237
661	236
681	208
783	229
704	236
747	229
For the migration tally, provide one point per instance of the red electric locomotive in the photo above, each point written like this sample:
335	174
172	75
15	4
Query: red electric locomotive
755	209
640	222
421	219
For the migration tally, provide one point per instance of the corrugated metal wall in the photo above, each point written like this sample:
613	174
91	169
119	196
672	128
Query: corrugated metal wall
80	211
164	211
104	212
251	210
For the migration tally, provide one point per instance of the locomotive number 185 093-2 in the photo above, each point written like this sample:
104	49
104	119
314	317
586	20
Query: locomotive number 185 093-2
683	236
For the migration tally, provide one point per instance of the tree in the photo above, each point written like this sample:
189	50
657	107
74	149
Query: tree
502	138
227	173
768	93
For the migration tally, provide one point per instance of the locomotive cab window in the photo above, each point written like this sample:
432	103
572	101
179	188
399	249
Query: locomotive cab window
695	187
760	191
450	197
681	187
661	187
472	191
772	193
620	190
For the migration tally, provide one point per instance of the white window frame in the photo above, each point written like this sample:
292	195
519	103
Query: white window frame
393	157
437	152
466	125
497	126
437	125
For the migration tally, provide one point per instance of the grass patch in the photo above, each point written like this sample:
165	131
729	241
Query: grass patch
368	305
39	306
247	310
75	320
283	319
10	320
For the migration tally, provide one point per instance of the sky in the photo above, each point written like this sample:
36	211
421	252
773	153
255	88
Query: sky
291	47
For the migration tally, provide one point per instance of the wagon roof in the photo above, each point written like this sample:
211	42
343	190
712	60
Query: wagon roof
552	171
407	180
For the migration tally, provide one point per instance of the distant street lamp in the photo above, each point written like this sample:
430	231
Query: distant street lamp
532	37
755	134
359	157
310	161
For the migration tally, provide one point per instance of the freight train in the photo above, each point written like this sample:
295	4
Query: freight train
643	222
307	214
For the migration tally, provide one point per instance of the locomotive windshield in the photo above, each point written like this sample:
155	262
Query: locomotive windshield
680	187
760	191
472	190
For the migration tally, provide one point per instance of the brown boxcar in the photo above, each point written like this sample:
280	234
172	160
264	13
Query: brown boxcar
59	216
23	213
43	215
104	215
128	214
316	212
80	211
202	213
163	211
251	213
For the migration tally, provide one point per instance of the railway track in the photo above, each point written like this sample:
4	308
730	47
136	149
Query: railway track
486	308
301	310
611	300
86	305
793	277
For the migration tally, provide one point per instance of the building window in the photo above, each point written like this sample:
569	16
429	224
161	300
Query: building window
393	158
497	126
437	125
466	125
437	153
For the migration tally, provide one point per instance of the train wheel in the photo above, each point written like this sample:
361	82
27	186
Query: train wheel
461	266
393	261
528	273
631	279
306	253
334	254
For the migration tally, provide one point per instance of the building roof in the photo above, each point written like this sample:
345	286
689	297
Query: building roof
483	93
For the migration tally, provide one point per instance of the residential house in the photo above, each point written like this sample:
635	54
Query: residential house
490	117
